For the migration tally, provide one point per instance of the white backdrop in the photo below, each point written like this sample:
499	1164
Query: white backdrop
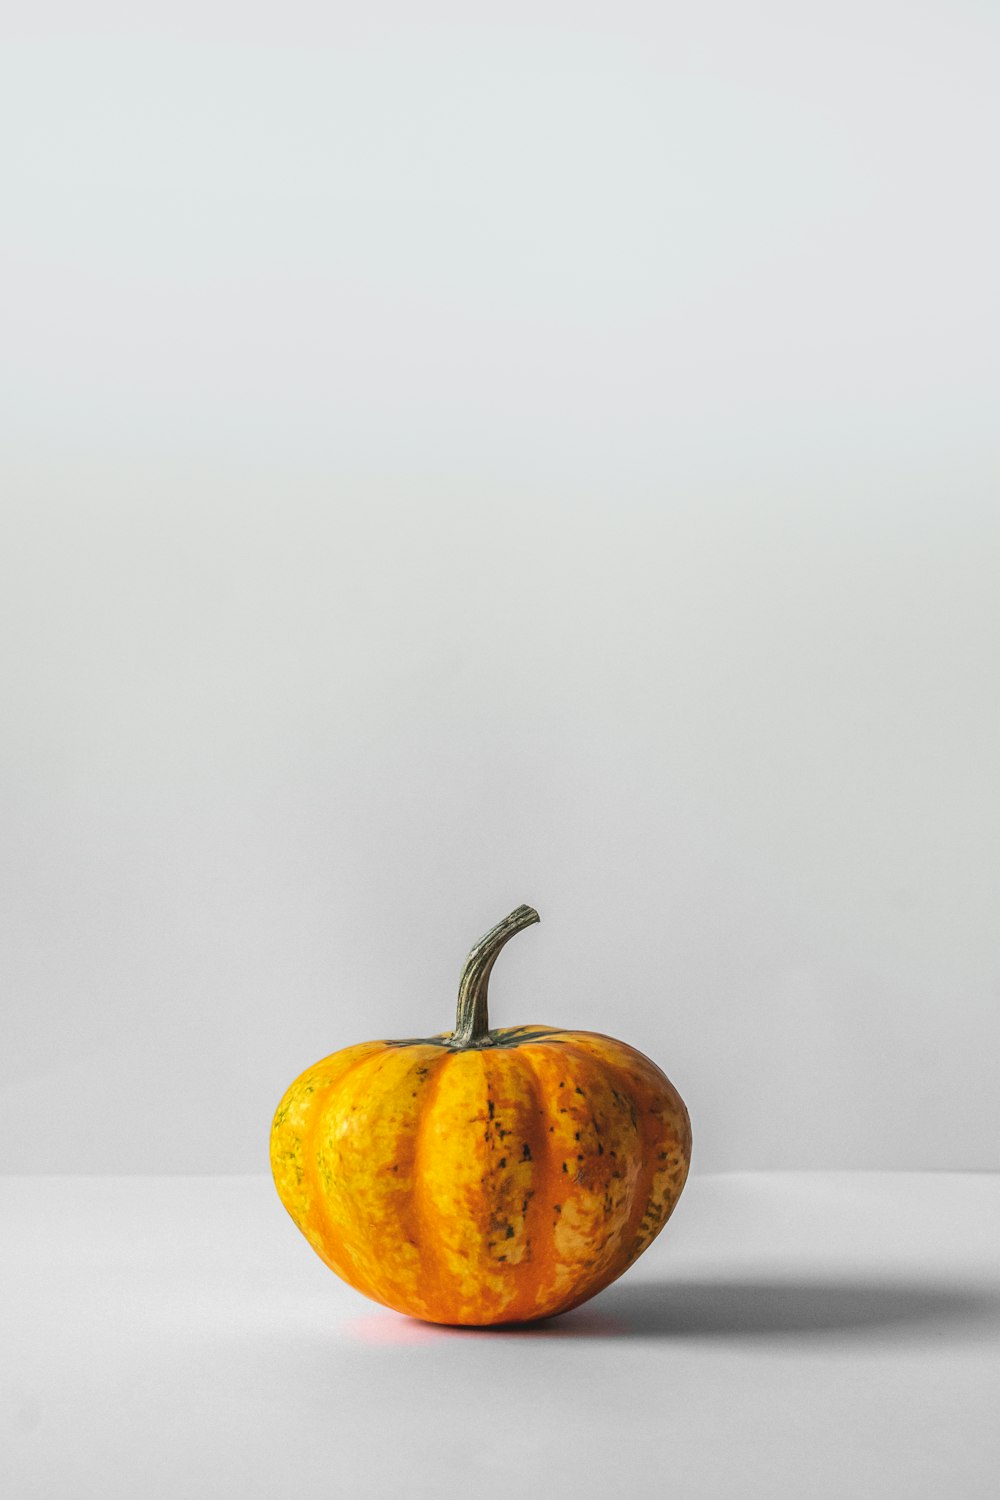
496	454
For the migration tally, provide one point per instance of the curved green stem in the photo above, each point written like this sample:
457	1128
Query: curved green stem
472	1022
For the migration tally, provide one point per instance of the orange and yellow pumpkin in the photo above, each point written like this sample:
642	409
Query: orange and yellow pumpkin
481	1177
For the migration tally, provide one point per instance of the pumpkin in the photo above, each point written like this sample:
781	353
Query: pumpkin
478	1176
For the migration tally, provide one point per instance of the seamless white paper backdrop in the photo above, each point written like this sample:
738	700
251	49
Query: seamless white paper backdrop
546	456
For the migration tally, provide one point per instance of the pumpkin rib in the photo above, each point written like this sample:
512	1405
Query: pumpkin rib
390	1110
496	1105
447	1158
543	1241
672	1153
546	1067
560	1186
327	1229
652	1141
514	1197
537	1237
432	1271
325	1078
545	1260
610	1061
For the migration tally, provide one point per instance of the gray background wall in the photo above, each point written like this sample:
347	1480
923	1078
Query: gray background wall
447	462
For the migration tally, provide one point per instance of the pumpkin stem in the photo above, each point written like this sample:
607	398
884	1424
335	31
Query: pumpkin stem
472	1022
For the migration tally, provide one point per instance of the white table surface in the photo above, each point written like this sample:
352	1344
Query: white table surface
789	1334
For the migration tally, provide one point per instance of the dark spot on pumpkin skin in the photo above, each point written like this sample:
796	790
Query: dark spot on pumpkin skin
503	1161
579	1090
526	1152
576	1136
501	1257
510	1231
489	1106
565	1168
557	1207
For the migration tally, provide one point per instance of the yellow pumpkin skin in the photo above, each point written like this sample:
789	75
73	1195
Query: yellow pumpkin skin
499	1182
